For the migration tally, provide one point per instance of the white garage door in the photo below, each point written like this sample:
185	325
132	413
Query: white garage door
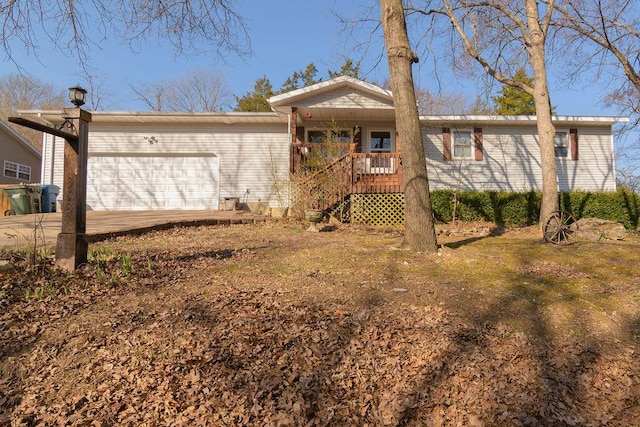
153	182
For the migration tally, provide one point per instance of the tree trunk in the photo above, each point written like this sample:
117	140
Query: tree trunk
420	232
546	129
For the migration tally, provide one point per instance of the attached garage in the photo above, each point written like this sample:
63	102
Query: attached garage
153	182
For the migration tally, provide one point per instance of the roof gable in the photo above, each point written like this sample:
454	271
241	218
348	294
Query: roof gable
341	92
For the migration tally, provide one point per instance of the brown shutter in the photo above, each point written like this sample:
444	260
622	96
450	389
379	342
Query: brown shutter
446	143
477	138
573	138
300	133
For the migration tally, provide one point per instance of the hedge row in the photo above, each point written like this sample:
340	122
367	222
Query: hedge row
523	208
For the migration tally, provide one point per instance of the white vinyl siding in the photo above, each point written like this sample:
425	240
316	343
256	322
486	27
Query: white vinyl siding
512	162
346	98
245	152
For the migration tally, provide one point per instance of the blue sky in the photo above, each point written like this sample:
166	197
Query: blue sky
285	37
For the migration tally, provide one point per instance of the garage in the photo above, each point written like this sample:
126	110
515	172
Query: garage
148	182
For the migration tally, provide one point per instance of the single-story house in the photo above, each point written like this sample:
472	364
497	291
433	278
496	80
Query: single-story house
19	159
156	160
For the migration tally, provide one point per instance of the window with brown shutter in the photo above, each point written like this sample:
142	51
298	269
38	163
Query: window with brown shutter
573	138
446	143
477	137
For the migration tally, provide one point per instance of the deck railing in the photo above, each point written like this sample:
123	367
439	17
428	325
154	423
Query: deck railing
376	173
347	172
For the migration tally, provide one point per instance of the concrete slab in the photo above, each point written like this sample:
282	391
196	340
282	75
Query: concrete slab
18	231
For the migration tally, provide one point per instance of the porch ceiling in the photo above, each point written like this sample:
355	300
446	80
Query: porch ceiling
310	114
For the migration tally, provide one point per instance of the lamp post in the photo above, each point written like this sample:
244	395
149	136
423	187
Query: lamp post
77	96
72	244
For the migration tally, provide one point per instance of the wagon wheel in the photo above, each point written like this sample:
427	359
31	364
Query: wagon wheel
559	227
9	212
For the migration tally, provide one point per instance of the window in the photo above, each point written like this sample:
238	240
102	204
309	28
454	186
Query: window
320	136
17	171
462	143
560	144
381	142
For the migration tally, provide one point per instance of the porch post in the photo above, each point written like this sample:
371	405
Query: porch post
293	124
399	151
72	245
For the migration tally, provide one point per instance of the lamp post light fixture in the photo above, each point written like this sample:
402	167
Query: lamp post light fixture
77	96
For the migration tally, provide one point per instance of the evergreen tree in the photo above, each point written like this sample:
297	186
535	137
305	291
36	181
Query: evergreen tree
513	101
300	79
347	69
257	99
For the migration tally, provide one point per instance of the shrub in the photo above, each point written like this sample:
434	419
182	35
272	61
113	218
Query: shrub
523	208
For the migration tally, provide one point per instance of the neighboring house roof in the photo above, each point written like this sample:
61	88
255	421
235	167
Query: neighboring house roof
19	139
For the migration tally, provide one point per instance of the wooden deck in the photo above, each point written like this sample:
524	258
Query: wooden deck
348	173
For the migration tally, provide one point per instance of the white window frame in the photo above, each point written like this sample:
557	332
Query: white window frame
392	143
454	137
375	166
16	171
566	144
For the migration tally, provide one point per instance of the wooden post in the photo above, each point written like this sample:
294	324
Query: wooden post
72	245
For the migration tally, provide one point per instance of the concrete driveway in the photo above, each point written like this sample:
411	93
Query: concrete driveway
18	231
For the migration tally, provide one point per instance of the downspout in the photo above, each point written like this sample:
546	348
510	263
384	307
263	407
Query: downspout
42	158
290	141
613	160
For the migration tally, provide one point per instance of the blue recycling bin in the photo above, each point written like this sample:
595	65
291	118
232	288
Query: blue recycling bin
49	197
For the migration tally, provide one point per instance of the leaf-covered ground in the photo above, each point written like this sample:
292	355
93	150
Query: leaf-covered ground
271	325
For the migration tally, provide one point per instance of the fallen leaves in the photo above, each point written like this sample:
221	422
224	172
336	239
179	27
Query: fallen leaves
183	343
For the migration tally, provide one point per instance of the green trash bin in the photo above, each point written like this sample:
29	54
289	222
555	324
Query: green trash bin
24	199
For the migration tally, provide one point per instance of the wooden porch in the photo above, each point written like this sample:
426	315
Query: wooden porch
343	172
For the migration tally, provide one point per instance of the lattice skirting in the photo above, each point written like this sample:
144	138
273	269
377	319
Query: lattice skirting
377	209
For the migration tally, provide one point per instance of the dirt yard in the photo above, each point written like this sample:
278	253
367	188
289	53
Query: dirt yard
270	325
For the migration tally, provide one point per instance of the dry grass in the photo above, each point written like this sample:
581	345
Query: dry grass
268	324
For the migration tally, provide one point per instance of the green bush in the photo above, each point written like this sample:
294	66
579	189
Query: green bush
523	208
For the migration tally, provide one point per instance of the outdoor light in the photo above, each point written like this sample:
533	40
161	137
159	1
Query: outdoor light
77	96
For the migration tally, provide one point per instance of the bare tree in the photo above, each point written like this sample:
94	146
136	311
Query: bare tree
74	27
152	94
441	103
419	223
598	31
604	36
25	92
499	35
199	90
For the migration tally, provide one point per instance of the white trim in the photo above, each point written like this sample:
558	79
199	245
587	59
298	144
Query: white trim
280	100
392	135
567	144
471	144
520	120
55	117
17	171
